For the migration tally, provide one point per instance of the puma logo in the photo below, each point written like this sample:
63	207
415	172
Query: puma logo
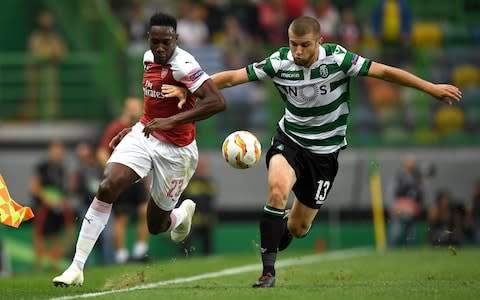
88	220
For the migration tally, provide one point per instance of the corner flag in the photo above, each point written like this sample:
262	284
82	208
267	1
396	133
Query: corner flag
12	213
377	204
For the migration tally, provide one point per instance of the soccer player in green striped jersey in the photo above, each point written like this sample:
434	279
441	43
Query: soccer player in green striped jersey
312	79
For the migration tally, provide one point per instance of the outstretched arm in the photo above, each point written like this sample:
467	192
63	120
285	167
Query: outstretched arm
222	80
230	78
443	92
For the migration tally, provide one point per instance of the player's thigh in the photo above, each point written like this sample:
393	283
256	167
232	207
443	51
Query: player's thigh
134	152
173	167
301	217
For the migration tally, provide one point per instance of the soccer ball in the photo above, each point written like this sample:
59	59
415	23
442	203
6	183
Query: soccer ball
241	149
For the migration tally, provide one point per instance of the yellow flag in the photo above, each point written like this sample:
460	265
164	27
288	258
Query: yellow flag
12	213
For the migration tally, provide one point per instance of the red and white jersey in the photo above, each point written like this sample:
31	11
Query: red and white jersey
181	70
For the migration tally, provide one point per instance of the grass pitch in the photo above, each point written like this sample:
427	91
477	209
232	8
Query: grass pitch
352	274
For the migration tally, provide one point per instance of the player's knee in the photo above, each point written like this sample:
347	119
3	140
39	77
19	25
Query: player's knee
298	230
277	197
107	191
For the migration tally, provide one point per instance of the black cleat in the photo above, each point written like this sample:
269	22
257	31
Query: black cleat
287	237
265	281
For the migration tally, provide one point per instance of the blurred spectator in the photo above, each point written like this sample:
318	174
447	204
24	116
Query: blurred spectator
84	184
133	199
329	18
392	22
53	211
392	26
47	50
137	29
473	214
349	31
273	21
192	28
406	206
236	43
445	222
202	191
294	9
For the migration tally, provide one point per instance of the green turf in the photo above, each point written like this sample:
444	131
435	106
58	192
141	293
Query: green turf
402	274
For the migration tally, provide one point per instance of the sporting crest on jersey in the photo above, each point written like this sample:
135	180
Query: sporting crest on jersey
323	69
163	73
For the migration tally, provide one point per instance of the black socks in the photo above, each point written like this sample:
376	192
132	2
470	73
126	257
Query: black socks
272	228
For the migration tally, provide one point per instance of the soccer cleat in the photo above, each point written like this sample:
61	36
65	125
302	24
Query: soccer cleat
181	232
287	237
71	277
265	281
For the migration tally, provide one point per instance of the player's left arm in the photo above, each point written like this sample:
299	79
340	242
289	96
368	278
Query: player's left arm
443	92
211	102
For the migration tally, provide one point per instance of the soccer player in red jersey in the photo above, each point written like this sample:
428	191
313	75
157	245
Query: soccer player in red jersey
161	144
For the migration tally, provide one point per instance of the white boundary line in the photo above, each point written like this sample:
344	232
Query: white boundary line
329	256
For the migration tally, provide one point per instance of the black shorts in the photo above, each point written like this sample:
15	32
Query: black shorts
315	172
130	199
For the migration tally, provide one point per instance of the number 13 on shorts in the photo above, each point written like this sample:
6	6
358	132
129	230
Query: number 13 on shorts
322	191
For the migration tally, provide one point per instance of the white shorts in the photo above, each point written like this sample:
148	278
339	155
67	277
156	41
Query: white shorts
171	166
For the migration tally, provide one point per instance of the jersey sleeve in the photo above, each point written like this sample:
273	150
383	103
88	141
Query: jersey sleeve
351	63
147	58
264	69
189	72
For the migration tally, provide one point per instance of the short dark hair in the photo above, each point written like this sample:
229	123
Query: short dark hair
161	19
304	25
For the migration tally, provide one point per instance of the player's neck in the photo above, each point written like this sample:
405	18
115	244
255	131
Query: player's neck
314	59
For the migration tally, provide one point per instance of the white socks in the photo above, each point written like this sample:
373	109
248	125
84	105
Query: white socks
177	216
93	223
121	256
140	249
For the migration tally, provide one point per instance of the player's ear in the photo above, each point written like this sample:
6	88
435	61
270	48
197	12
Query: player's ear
320	40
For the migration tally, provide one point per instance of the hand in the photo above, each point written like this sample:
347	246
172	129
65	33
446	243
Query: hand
171	91
157	124
116	139
446	93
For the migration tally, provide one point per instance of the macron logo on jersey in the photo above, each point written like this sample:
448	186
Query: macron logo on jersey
150	92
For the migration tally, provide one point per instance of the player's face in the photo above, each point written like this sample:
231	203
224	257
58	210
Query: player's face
163	41
304	48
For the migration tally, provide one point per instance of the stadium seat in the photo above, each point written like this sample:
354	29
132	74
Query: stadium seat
396	135
426	35
425	136
455	33
449	119
470	105
465	76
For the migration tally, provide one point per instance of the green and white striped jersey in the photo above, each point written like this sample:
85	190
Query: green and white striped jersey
316	98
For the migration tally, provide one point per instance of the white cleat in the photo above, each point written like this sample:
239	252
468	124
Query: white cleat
181	232
71	277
